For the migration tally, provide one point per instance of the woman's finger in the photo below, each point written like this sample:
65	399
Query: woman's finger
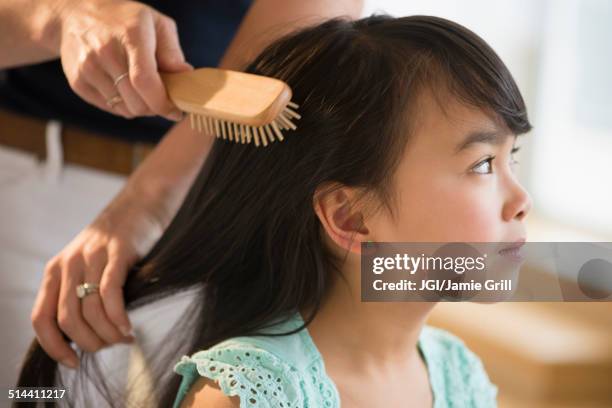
92	307
140	48
114	63
111	289
88	93
44	318
69	314
96	78
170	57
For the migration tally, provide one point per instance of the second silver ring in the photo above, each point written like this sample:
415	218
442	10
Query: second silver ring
114	100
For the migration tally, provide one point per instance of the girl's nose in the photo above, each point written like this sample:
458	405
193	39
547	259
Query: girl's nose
518	204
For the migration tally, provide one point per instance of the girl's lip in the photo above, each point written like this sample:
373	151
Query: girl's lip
515	245
513	251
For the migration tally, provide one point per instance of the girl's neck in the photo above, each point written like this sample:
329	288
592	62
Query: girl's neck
367	338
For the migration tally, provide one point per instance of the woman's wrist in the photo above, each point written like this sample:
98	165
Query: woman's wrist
159	195
49	18
46	24
149	197
162	181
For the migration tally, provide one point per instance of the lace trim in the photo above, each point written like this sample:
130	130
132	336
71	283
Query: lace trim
324	386
256	376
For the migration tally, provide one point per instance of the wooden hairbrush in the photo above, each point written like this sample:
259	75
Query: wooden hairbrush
233	105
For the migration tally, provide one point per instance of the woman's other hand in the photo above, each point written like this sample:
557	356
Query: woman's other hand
102	254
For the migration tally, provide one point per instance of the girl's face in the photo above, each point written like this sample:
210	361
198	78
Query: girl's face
455	182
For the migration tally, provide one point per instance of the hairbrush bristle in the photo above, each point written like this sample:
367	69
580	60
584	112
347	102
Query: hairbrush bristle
240	133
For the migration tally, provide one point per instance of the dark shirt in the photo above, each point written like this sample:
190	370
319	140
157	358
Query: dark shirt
205	29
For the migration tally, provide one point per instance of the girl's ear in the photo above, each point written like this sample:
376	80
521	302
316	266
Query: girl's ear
343	224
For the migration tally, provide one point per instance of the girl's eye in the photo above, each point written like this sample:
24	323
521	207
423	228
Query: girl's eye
485	166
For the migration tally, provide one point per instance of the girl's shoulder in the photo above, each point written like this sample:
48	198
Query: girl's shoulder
240	368
456	372
263	371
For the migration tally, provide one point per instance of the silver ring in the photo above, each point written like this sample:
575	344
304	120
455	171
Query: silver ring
86	289
119	78
114	100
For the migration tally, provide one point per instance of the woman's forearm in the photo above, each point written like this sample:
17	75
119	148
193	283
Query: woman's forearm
267	20
29	31
160	183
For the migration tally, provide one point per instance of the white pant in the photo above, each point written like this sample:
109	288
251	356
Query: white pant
43	205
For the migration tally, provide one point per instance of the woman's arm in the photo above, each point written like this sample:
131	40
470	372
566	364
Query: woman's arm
27	28
207	393
270	19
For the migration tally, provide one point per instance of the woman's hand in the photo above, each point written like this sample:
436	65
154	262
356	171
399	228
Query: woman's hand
102	253
111	52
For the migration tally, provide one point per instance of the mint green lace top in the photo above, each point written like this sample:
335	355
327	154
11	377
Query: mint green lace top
288	371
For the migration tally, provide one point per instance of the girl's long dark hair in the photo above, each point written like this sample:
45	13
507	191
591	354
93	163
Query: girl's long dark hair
247	235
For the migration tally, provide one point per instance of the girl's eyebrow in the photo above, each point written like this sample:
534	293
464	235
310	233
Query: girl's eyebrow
494	137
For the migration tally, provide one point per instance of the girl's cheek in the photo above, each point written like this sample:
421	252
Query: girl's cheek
467	210
446	219
477	219
445	211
